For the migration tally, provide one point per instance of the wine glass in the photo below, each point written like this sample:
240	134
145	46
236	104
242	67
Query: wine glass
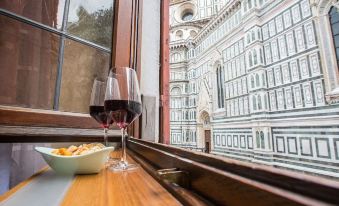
97	111
123	104
96	107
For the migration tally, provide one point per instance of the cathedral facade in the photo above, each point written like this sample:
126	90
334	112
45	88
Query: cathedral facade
257	80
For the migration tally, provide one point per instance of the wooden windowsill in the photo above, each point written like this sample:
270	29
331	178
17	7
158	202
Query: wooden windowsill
18	116
106	188
28	134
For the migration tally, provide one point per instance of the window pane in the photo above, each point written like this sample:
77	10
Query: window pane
82	64
336	40
335	28
48	12
334	15
91	20
28	65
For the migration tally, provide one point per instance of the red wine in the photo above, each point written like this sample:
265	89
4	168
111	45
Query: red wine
99	114
123	112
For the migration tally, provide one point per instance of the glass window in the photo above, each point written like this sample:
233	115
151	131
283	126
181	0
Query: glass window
28	65
249	4
252	82
250	59
255	57
262	140
91	64
334	20
257	80
48	12
45	70
254	102
257	139
220	87
91	20
187	16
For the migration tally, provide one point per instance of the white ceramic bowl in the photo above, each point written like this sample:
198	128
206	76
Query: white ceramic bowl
80	164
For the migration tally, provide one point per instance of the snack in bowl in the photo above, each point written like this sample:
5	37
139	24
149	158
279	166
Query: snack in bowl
82	159
82	149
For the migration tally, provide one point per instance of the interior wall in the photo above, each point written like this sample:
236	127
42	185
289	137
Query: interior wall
150	58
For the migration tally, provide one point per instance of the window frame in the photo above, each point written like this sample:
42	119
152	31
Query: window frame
218	180
332	34
125	51
326	46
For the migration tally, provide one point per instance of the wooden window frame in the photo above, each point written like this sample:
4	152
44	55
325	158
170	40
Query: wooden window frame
195	178
125	52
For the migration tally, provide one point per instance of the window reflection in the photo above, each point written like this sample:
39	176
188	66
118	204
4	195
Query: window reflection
81	65
31	56
48	12
91	20
28	65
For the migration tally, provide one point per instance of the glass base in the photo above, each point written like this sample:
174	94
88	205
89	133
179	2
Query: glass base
123	166
112	161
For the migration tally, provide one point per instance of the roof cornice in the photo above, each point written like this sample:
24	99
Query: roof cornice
227	10
197	23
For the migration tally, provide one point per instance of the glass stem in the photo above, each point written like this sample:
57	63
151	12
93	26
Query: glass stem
105	137
123	146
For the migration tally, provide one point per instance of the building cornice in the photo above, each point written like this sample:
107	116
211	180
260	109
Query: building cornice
196	23
177	2
179	44
227	10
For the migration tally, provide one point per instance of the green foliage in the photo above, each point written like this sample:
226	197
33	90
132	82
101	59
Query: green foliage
95	27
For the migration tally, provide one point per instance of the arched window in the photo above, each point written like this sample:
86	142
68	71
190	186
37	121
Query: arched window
259	102
257	80
245	6
220	86
187	15
248	38
252	82
178	34
334	20
193	33
172	58
262	140
257	139
253	35
250	59
175	91
254	102
249	4
255	57
259	35
263	79
187	135
177	57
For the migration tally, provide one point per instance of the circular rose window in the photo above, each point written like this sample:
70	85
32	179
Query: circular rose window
187	15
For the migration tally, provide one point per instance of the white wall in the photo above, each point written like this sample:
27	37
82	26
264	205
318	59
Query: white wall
150	54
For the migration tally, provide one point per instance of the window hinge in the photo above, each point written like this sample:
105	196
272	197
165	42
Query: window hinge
174	175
